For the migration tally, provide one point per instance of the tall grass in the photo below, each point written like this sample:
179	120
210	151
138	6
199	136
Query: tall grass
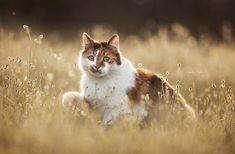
36	70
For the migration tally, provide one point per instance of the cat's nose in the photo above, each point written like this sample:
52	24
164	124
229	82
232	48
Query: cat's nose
95	67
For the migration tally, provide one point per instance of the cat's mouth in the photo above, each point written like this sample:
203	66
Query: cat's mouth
95	71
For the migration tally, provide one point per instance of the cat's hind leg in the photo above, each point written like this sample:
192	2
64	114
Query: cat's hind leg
140	111
71	98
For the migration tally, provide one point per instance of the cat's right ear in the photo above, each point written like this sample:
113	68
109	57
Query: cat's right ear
87	41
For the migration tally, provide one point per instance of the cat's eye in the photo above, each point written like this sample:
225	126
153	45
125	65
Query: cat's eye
106	59
91	58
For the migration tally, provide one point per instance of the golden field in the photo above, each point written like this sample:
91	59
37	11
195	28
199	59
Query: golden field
36	70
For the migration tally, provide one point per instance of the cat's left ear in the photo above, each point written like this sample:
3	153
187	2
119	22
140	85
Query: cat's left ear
87	40
114	41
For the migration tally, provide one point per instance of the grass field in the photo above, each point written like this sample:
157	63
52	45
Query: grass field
36	70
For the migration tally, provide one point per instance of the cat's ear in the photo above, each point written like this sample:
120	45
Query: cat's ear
114	41
87	41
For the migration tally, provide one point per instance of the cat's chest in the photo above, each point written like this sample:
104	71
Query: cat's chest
97	91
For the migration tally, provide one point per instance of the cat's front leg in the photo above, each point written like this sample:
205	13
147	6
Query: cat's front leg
71	98
112	114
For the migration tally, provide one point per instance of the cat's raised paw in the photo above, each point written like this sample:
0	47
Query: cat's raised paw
71	98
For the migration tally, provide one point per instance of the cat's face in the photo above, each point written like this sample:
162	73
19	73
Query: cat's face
100	59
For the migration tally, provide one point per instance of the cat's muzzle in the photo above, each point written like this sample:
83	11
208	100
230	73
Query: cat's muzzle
95	70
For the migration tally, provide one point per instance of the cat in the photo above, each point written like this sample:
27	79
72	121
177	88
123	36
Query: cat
110	82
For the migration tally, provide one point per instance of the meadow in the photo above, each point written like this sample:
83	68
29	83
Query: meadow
35	70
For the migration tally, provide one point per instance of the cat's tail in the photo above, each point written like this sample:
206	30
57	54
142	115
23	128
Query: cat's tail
188	108
176	97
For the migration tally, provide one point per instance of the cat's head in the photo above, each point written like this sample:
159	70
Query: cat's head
100	58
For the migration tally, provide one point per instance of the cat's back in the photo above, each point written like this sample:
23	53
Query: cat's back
148	83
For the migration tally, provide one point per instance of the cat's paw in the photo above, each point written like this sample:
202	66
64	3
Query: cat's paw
107	121
72	98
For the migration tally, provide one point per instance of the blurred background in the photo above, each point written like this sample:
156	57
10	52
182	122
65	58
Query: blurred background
66	18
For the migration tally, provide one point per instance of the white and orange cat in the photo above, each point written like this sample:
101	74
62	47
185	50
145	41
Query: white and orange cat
110	82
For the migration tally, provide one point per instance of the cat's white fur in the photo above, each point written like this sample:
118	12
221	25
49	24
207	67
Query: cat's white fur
107	92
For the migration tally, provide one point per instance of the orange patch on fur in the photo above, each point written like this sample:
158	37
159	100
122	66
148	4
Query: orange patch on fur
149	83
